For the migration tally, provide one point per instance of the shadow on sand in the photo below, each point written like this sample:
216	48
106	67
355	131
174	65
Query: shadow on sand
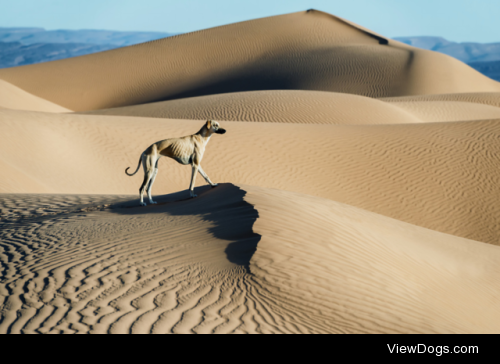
224	206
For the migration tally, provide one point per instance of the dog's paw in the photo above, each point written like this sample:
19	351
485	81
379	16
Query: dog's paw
142	204
194	196
153	202
214	185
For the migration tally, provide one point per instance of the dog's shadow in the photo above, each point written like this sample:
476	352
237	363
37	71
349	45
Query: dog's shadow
224	206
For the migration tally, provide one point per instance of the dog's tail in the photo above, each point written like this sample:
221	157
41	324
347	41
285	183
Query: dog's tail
140	161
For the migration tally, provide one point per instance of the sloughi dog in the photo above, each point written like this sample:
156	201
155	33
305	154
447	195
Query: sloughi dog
187	150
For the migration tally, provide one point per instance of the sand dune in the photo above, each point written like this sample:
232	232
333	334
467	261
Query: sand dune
306	51
303	107
357	271
12	97
442	176
235	260
311	107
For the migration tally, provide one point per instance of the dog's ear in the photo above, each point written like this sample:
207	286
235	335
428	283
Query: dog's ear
209	124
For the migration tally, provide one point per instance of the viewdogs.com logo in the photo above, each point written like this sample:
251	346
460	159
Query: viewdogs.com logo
429	349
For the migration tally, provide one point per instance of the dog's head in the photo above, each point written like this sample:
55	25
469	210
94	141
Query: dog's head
214	127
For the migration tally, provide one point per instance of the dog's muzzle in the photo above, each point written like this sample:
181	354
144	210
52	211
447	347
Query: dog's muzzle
221	131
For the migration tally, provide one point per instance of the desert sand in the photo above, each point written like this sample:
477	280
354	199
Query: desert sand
359	184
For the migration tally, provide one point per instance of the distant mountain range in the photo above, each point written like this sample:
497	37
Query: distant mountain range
23	46
483	57
29	36
490	69
466	52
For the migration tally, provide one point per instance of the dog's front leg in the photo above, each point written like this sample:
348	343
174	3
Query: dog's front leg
202	172
193	177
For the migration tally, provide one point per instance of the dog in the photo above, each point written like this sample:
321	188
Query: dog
187	150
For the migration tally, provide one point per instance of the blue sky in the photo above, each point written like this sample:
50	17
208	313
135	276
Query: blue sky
457	20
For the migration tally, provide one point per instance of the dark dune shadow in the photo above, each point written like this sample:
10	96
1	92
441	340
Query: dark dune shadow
244	80
295	70
315	70
321	69
224	206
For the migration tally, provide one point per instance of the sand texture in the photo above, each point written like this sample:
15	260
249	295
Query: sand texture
236	260
359	187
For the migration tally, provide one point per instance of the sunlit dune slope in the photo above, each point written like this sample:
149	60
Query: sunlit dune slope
307	50
12	97
442	176
435	111
235	260
305	107
450	107
357	271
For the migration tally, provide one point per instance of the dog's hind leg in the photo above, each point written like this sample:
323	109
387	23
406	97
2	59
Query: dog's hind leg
152	180
204	175
148	174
